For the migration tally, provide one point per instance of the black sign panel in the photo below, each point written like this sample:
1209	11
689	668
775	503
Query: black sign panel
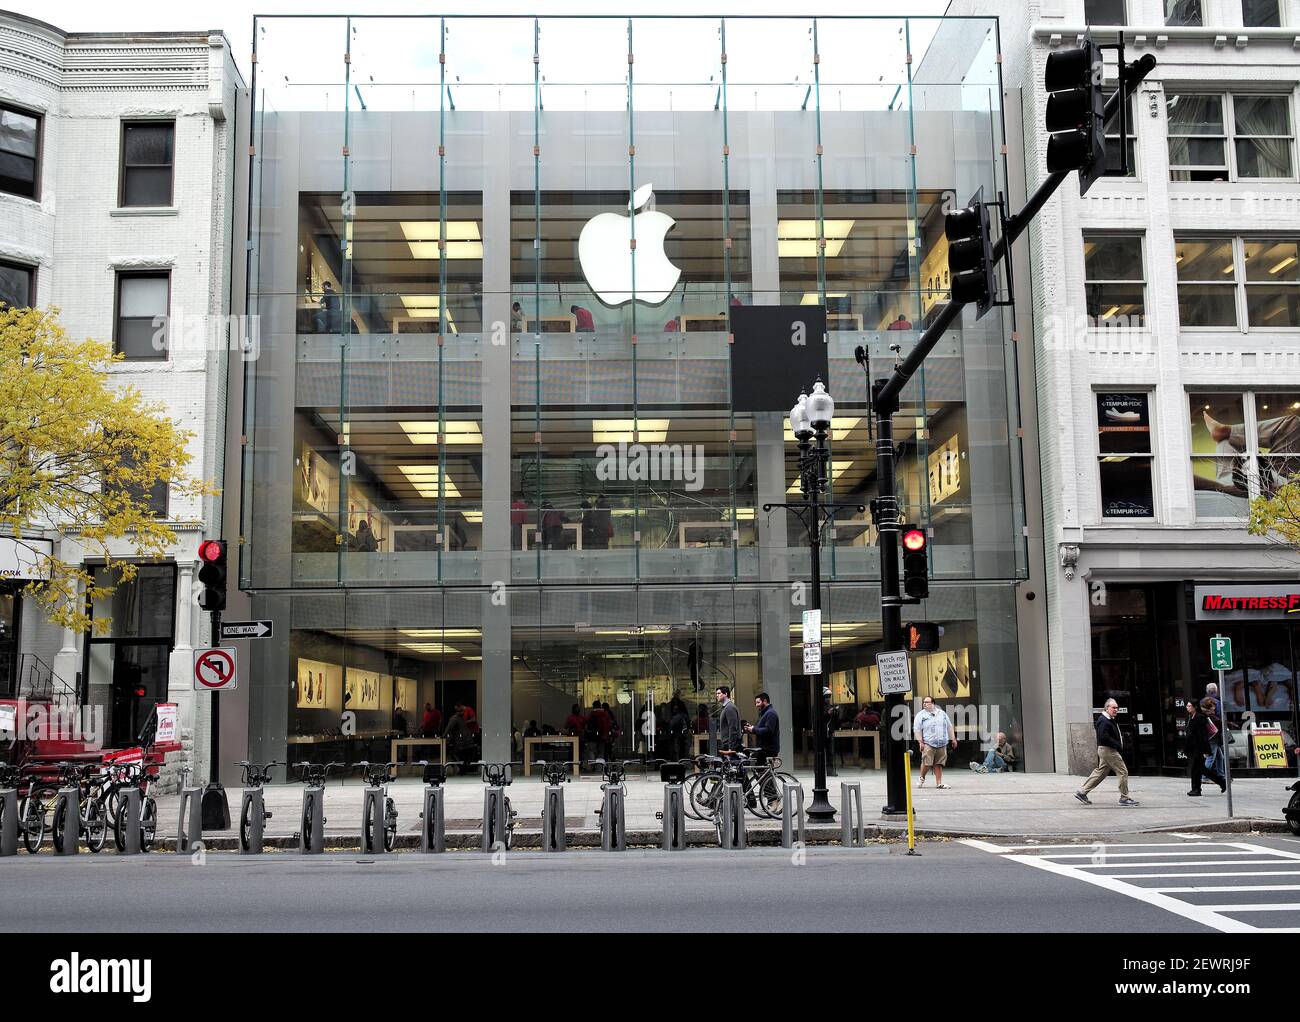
779	350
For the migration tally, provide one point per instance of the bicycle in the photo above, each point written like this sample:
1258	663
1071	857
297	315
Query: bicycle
91	822
313	775
499	775
255	775
379	775
31	815
762	786
142	776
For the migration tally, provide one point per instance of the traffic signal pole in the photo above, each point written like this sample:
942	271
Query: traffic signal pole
885	394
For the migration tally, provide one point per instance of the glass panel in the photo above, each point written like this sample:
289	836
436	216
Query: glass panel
1126	487
1107	257
1219	455
1103	12
1277	417
1261	13
147	144
15	285
1193	114
1263	135
1114	156
1182	12
18	132
147	186
1212	300
143	296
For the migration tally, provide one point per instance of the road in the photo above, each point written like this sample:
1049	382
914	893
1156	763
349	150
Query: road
951	886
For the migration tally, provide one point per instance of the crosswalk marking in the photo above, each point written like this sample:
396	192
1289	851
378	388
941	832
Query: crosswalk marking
1158	859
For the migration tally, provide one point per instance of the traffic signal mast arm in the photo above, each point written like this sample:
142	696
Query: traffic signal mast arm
887	395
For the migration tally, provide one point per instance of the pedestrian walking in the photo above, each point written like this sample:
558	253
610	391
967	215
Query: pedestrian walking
1110	745
934	734
1197	742
729	742
1217	763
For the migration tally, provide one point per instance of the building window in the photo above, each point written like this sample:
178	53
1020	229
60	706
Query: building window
1124	450
1103	12
1261	13
1114	155
153	496
147	155
1114	284
1238	283
20	150
143	300
1182	12
17	285
1262	137
1243	446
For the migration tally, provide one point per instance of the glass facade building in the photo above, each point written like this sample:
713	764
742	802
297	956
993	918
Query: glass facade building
468	335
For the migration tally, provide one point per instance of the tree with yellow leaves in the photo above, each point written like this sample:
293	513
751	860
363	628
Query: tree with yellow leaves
1277	516
78	457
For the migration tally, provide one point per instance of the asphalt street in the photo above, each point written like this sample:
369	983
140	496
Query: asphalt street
952	886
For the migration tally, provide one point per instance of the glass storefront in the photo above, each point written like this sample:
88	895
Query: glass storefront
1151	653
492	456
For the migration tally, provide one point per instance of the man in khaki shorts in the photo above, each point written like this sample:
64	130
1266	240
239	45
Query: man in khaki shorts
933	733
1110	745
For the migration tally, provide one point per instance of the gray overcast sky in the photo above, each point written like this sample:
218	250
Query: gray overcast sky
235	17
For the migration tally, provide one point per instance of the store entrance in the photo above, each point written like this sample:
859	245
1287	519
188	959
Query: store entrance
1126	667
10	627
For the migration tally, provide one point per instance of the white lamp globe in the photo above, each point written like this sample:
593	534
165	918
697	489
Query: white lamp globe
799	425
821	407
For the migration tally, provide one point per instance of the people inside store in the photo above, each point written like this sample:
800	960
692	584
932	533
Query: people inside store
702	720
554	536
431	723
575	721
1198	741
679	726
868	718
461	740
328	320
365	538
596	732
518	323
901	323
399	721
999	759
531	730
582	319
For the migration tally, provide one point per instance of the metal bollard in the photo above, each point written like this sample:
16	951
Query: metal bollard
792	818
554	837
852	835
311	825
733	816
674	817
9	821
68	800
187	837
494	808
252	809
613	825
131	842
372	804
433	831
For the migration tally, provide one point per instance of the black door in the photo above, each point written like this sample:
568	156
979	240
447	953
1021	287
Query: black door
139	683
10	625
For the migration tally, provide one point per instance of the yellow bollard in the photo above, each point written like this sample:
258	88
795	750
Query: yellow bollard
907	779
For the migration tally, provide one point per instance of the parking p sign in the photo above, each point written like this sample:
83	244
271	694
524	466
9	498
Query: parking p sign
1220	653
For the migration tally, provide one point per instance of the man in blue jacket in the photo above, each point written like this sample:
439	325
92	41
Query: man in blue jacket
768	730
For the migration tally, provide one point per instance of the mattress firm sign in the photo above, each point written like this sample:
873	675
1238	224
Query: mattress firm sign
1247	602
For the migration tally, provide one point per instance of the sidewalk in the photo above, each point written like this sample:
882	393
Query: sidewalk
978	805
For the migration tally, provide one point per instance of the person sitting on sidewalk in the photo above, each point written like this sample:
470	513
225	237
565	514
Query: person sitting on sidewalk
1110	745
934	733
1000	759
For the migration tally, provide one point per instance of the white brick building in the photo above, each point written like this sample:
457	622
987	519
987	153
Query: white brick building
115	202
1197	247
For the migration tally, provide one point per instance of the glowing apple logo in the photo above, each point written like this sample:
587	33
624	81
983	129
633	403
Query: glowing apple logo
603	253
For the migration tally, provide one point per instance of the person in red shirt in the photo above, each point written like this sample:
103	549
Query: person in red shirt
901	323
432	722
575	721
582	318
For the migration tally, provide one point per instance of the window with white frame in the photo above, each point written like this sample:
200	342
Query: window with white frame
1114	284
1244	445
1114	154
1238	283
1104	12
1183	12
1230	136
1124	454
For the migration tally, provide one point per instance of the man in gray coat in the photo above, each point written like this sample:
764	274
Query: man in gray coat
729	740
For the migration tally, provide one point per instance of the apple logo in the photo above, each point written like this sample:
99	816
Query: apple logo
603	254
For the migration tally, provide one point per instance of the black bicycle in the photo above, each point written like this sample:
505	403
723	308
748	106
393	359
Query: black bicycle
91	823
142	776
314	775
500	775
379	775
31	815
255	775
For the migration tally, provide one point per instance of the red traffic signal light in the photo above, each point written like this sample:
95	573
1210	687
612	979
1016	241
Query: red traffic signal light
914	540
916	562
212	575
212	550
923	636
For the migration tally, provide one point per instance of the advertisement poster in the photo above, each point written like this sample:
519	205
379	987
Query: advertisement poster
317	481
167	730
314	684
361	689
944	466
944	675
403	695
1219	463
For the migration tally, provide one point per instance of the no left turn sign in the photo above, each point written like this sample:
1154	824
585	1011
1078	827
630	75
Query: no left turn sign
215	670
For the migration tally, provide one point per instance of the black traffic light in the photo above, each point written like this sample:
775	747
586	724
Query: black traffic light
916	562
970	254
923	636
1076	115
212	575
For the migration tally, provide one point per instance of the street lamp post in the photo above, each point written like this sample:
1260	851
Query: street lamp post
810	421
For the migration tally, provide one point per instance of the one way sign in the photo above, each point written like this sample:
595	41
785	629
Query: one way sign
246	630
